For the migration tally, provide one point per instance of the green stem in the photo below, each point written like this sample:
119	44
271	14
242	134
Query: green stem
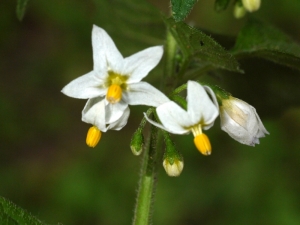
145	198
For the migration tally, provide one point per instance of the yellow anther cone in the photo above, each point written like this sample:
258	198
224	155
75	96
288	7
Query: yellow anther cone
114	93
93	136
203	144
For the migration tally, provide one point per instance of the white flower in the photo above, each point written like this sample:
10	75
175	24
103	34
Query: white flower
114	83
251	5
201	114
118	78
241	122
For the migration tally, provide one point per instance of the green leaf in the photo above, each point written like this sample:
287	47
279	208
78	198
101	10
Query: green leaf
196	45
10	214
21	8
258	38
181	8
221	5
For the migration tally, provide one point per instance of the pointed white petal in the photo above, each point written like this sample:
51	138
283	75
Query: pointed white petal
143	93
121	122
200	107
105	53
94	113
140	64
175	119
86	86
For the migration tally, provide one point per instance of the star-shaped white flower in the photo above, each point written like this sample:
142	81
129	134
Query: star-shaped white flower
118	78
114	83
201	114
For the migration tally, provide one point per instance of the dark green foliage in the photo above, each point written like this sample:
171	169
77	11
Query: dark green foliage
258	38
221	5
193	43
181	8
10	214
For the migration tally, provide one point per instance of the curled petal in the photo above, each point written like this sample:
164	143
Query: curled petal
86	86
175	119
121	122
94	113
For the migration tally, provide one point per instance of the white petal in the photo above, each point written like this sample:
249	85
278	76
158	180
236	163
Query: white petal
200	107
262	129
143	93
155	123
174	118
86	86
234	130
121	122
105	53
114	111
140	64
94	113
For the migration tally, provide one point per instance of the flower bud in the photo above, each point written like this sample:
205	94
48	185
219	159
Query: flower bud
137	142
241	122
239	10
251	5
173	160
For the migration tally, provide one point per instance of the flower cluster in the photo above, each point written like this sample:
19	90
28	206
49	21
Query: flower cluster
115	82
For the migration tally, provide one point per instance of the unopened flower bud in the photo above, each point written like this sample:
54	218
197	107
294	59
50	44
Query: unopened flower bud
137	142
173	160
239	10
173	168
241	122
251	5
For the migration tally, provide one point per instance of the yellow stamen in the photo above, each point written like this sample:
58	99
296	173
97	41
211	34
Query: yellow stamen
203	144
93	136
114	93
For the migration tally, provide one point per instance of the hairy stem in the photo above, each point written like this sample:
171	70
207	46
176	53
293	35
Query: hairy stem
146	189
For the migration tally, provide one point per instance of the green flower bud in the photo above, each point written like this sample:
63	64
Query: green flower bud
137	142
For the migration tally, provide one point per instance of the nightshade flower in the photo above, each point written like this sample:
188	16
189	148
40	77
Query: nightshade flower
117	80
201	114
241	121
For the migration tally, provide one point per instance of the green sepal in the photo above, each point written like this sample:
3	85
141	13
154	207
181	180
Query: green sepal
197	46
137	142
221	5
260	39
21	8
181	8
171	153
11	214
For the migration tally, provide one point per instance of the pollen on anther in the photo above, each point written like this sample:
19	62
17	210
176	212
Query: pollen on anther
93	136
114	93
203	144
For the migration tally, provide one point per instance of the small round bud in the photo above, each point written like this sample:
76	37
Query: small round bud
173	168
137	142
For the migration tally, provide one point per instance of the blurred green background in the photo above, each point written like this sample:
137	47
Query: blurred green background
46	167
